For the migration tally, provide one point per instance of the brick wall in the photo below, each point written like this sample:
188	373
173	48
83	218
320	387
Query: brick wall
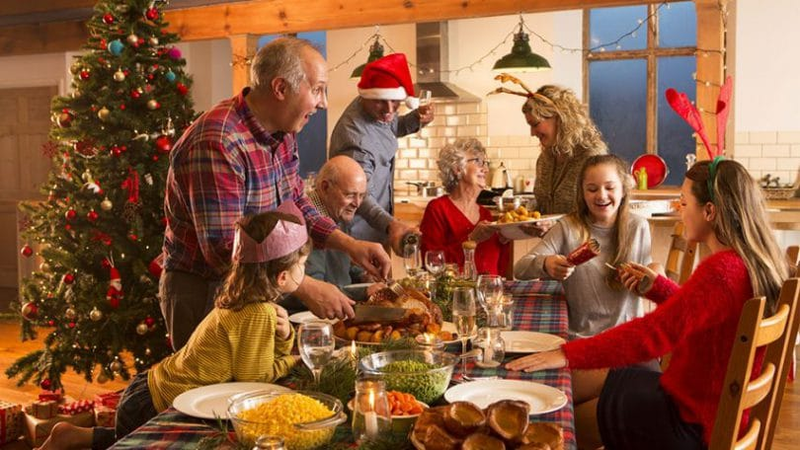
418	153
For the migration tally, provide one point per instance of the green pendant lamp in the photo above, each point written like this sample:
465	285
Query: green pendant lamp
375	52
521	58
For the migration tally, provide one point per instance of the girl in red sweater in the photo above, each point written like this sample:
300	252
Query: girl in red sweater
722	207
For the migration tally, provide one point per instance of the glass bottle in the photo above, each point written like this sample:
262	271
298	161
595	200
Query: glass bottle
268	442
492	346
372	416
470	271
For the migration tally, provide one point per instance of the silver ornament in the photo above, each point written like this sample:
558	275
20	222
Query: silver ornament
141	329
95	314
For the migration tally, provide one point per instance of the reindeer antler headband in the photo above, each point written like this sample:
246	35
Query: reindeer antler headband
683	107
504	77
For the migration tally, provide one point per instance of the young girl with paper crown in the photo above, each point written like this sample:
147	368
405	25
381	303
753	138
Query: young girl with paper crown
247	337
723	208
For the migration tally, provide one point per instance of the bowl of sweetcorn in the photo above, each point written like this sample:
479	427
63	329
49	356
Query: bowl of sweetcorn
305	420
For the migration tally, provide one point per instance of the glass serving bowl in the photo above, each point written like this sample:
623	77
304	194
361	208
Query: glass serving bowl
426	384
285	418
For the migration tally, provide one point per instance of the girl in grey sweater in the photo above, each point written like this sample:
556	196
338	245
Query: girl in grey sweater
595	297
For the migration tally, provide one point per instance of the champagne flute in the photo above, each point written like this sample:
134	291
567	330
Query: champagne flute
434	262
490	291
464	316
316	345
412	261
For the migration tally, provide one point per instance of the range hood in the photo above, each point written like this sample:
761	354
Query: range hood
432	59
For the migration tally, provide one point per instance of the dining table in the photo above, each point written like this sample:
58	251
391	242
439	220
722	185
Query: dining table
538	306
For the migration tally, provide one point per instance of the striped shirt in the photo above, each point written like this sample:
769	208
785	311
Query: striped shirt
227	346
225	166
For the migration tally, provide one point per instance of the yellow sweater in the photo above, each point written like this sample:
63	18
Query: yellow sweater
226	346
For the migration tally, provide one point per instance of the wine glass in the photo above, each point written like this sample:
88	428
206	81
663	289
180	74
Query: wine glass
412	261
316	345
490	293
434	262
424	97
464	315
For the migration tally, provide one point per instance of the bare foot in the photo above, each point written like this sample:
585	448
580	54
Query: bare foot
66	436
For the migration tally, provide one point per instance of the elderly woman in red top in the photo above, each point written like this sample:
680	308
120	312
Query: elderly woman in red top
457	217
722	207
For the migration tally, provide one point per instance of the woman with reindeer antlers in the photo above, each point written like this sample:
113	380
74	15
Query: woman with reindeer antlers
568	137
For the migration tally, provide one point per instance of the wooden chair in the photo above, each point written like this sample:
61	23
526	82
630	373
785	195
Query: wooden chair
793	257
681	256
762	394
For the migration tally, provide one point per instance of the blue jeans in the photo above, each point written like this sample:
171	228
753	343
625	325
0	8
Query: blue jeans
134	409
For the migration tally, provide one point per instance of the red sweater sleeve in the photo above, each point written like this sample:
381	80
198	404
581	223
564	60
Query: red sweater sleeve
708	299
663	288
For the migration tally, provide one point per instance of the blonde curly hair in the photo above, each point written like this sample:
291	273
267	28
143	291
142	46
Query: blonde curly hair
575	128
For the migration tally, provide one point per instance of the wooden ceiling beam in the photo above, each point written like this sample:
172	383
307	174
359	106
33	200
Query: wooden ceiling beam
11	8
258	17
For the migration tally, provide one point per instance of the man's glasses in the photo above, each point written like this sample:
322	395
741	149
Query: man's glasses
479	161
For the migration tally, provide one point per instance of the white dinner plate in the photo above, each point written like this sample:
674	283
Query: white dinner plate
513	230
530	341
542	399
207	401
307	316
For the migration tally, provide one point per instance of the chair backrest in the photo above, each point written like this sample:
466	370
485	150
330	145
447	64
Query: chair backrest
680	260
763	393
793	255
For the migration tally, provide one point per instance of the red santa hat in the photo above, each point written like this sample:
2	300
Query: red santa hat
388	78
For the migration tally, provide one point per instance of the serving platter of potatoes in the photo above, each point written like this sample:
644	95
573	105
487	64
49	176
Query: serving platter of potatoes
502	425
520	214
374	332
511	223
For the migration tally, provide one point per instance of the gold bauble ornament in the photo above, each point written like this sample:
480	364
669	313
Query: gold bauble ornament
115	366
106	205
119	75
44	267
95	314
76	93
141	329
70	313
133	39
153	41
75	68
152	105
103	114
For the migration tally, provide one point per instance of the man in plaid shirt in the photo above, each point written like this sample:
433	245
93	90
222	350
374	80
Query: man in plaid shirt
241	158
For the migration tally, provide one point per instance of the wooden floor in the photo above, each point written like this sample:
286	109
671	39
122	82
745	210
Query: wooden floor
787	436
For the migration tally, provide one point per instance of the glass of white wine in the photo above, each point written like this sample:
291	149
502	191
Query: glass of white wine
316	344
464	316
412	261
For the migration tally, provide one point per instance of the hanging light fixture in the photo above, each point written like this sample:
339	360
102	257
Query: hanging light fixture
375	52
521	58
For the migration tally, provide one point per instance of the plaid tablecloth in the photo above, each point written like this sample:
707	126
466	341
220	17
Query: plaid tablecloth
539	306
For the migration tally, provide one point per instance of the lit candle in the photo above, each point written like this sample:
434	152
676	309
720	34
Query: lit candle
429	341
353	353
371	417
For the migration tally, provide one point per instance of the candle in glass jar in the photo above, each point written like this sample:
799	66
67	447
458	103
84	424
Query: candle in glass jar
371	417
429	341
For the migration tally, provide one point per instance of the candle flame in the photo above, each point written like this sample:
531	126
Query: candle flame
371	400
353	350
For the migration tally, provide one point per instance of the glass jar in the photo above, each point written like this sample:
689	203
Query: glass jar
372	416
268	442
492	348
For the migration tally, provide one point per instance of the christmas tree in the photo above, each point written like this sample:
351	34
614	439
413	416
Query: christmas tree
99	233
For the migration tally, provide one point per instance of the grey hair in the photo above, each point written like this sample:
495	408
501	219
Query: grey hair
453	160
281	58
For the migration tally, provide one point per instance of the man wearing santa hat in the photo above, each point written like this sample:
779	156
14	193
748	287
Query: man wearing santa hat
368	132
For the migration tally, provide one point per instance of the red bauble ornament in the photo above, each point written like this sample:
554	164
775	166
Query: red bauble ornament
182	89
69	278
92	215
51	323
151	14
133	237
29	311
46	384
26	251
116	151
122	106
106	264
149	321
135	93
108	19
72	324
85	74
67	227
70	214
155	157
163	144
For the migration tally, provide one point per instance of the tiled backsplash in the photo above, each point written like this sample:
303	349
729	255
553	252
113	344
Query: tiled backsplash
419	152
774	152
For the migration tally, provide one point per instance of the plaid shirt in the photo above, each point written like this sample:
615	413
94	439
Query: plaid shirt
225	166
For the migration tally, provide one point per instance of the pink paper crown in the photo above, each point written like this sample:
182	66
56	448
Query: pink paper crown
285	238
